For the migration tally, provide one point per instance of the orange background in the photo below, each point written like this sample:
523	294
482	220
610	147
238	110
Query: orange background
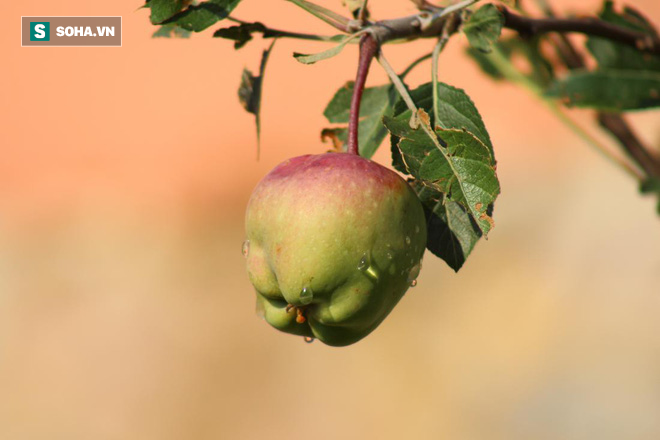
125	311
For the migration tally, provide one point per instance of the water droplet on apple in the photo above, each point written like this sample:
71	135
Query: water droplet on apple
414	273
364	263
246	248
365	266
309	340
413	283
407	240
372	273
389	256
416	229
306	295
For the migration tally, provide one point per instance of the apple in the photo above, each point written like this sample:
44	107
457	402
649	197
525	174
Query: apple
333	242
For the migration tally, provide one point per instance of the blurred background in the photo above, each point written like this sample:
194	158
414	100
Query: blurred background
126	313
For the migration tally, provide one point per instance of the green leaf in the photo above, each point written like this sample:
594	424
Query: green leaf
196	18
456	110
330	17
240	34
609	90
610	54
651	186
250	92
311	59
170	31
462	167
485	63
376	103
539	69
458	179
161	10
452	233
484	27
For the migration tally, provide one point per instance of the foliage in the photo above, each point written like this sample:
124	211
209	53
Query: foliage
439	139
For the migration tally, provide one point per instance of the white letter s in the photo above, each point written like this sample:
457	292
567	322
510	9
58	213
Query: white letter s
39	31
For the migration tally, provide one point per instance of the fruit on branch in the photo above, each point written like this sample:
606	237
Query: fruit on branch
333	242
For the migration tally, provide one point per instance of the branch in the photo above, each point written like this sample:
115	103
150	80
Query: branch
368	49
619	128
268	32
613	123
527	26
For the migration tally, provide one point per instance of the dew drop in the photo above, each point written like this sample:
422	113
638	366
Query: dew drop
246	248
372	273
389	256
309	340
413	283
414	273
407	240
306	295
364	263
416	229
365	266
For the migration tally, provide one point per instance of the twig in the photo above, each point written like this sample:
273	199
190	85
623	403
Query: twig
527	26
362	15
277	33
368	49
440	45
434	77
415	121
398	84
414	64
332	18
613	123
619	128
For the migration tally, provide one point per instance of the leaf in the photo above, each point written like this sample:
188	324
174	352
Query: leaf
196	18
651	186
330	17
354	7
240	34
455	108
170	31
462	167
250	92
338	137
452	233
610	54
311	59
539	70
484	27
161	10
376	103
609	90
485	63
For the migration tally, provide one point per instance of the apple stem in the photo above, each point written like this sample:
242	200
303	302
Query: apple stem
368	49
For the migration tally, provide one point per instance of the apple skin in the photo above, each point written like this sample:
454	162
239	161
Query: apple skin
338	237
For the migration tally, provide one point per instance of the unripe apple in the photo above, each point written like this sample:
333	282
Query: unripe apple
333	242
